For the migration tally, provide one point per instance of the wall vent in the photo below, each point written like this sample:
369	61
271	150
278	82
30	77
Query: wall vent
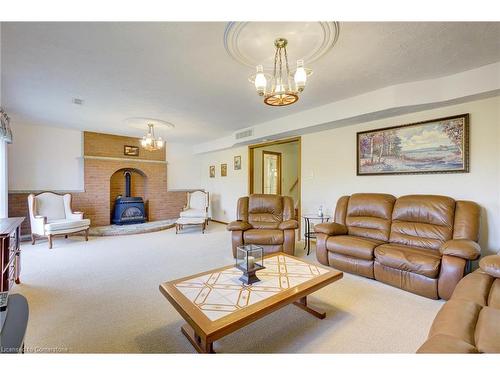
244	134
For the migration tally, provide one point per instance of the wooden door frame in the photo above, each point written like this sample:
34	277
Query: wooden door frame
299	166
278	154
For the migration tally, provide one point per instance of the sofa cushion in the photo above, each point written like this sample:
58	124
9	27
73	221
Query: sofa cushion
352	246
487	333
50	205
457	318
191	212
63	225
494	297
422	220
446	344
422	261
475	287
263	236
369	215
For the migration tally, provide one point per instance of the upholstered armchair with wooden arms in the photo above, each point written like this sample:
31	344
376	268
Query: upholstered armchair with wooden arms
51	215
196	206
266	220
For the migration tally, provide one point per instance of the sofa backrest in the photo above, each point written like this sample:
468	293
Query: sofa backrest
197	200
265	211
366	215
467	220
50	205
423	220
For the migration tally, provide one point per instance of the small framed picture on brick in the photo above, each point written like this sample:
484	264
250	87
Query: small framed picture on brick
131	150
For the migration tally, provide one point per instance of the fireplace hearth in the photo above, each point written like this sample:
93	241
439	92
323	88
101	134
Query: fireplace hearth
128	210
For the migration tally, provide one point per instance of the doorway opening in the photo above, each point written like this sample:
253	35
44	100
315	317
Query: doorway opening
275	169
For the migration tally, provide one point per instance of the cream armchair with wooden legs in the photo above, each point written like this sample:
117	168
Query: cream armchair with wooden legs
51	215
196	206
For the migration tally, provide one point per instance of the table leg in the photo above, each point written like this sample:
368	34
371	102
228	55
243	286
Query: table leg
308	237
201	345
302	303
306	221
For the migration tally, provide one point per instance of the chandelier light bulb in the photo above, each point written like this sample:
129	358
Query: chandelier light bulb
300	76
159	142
150	142
260	81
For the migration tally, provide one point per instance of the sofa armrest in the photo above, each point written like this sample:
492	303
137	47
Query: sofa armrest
491	265
38	225
288	224
331	229
77	215
465	249
239	225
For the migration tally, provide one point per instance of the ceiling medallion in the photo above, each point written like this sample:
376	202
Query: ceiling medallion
243	41
246	41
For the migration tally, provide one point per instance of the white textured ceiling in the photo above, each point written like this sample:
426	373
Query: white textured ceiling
181	73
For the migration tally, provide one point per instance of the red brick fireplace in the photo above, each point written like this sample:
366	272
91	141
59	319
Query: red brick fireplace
104	164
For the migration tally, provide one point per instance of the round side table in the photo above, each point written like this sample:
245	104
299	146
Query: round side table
309	232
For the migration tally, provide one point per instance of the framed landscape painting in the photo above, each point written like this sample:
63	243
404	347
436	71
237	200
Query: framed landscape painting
434	146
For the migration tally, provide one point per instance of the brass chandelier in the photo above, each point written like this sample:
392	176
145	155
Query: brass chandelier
150	142
282	88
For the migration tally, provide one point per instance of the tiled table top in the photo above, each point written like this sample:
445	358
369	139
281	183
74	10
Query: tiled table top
219	294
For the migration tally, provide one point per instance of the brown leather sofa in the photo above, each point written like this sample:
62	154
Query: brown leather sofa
470	321
419	243
265	220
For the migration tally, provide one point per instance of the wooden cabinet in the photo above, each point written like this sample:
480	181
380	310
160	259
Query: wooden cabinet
10	251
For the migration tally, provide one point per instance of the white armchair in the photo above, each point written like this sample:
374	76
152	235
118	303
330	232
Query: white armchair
51	215
197	205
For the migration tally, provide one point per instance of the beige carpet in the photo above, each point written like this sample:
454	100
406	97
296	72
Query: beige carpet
102	296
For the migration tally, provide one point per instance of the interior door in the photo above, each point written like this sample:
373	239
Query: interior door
271	172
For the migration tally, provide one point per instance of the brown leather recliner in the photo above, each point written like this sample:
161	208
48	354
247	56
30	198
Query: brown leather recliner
419	243
266	220
470	321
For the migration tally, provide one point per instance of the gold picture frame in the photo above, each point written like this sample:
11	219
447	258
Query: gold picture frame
223	170
432	146
237	163
211	171
130	150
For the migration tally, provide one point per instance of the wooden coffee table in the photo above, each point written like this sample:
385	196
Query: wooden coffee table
215	303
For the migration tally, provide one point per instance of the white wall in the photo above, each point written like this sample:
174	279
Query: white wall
329	166
329	169
225	191
45	158
182	169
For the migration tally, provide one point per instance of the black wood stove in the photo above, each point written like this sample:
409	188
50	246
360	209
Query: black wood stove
128	210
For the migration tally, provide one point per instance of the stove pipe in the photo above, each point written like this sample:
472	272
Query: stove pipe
128	177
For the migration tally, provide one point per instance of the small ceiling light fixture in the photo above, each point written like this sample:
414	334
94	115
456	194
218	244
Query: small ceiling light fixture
77	101
282	88
150	142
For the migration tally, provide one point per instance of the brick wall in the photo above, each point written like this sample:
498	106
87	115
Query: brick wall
102	177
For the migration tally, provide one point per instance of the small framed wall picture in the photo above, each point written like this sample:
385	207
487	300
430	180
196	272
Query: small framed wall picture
237	162
212	171
130	150
223	170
